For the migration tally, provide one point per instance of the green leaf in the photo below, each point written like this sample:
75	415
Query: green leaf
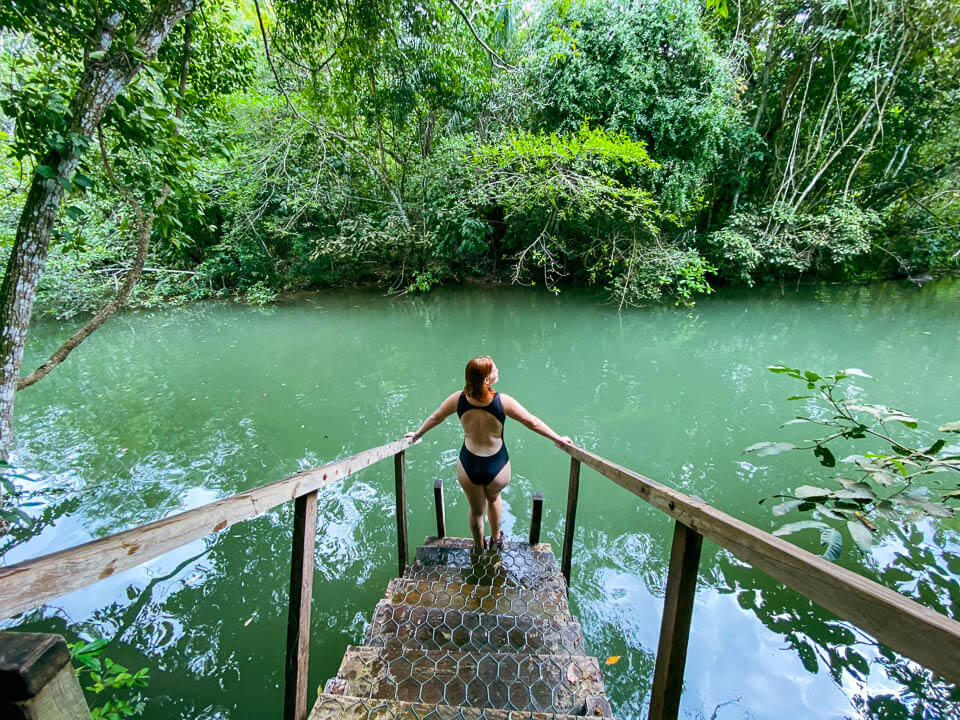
769	448
860	491
779	369
884	477
97	54
951	494
82	648
950	427
874	410
861	535
910	422
797	526
45	171
810	491
936	447
14	515
789	505
834	513
833	539
796	421
82	180
938	510
858	372
799	397
74	213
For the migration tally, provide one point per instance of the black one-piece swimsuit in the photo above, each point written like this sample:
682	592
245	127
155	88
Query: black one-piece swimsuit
482	469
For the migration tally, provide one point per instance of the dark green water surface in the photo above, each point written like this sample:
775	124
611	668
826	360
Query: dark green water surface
163	411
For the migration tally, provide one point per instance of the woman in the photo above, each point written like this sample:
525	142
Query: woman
483	468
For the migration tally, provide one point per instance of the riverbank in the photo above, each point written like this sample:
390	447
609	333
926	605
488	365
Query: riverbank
77	285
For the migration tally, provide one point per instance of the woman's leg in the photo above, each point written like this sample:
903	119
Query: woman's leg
478	500
494	503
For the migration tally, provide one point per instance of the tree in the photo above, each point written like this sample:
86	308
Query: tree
116	42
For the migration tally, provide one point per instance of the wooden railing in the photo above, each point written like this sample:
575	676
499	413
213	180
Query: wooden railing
30	583
907	627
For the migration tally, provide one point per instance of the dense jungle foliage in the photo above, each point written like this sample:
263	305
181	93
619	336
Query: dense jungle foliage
651	148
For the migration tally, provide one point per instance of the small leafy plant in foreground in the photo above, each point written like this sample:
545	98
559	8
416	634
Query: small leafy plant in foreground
894	485
99	674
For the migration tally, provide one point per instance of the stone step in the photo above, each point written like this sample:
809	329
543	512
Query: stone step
521	681
512	567
502	600
467	544
430	628
330	706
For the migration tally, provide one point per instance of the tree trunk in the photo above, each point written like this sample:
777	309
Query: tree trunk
103	79
144	232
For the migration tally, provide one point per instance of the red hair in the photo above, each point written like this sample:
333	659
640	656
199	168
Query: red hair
477	371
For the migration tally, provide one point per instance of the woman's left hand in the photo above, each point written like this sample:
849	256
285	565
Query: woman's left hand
564	440
412	435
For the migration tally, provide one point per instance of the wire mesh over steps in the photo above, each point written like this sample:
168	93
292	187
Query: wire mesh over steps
469	635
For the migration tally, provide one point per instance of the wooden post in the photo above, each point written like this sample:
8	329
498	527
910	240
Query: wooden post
400	475
573	492
675	625
37	681
536	516
441	514
298	618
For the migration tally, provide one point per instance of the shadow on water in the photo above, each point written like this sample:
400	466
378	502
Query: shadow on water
163	411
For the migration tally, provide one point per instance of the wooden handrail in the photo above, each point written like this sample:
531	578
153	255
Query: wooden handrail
30	583
909	628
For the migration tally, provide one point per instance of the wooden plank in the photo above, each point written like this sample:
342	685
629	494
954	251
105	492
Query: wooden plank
60	699
441	513
37	680
675	625
28	661
27	584
573	493
905	626
536	519
400	477
298	617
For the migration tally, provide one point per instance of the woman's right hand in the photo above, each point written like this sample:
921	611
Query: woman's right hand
411	435
563	440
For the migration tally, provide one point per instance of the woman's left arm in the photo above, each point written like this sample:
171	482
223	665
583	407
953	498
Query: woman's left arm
446	409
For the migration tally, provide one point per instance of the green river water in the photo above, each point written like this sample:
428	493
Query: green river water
162	411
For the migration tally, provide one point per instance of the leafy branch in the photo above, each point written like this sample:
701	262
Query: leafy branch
104	674
886	483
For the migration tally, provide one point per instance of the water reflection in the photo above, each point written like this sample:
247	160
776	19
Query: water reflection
162	411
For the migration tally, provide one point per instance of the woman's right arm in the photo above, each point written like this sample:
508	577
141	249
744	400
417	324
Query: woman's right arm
446	409
518	412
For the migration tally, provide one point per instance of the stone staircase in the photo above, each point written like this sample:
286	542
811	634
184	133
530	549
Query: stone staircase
467	635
